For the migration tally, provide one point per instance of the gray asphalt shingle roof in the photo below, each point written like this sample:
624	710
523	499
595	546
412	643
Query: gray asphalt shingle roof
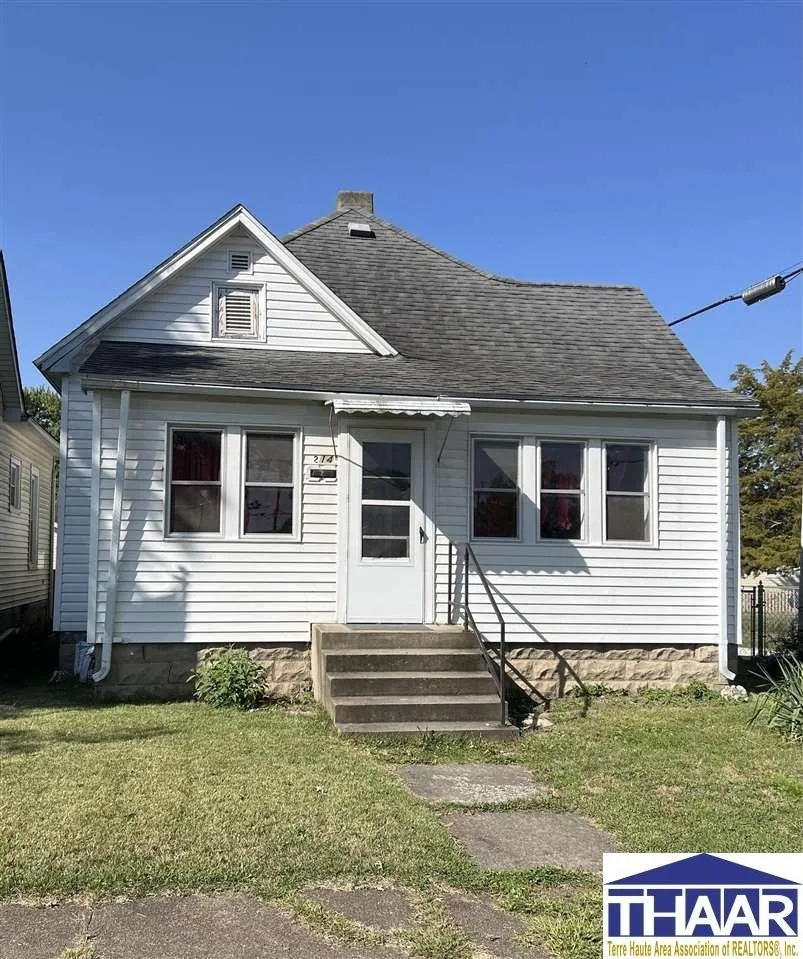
459	331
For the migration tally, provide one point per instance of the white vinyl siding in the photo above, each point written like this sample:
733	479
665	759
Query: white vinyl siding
223	589
641	593
20	581
180	311
72	567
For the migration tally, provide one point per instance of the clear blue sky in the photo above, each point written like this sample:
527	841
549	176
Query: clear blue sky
648	143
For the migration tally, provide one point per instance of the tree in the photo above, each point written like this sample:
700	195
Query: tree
771	465
44	406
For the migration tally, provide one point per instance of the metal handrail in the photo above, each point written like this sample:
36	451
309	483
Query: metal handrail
470	623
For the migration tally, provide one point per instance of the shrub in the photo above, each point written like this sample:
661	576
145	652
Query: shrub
781	706
695	692
229	677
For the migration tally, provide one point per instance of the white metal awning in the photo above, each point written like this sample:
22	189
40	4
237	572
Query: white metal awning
407	405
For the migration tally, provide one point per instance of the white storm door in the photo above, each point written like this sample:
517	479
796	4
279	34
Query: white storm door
386	538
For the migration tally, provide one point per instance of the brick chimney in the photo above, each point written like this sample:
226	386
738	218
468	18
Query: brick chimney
354	199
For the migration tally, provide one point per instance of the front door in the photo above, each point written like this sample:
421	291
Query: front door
386	538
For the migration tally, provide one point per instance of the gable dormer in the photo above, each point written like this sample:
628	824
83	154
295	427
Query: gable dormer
233	285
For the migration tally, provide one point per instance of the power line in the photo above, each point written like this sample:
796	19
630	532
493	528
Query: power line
751	295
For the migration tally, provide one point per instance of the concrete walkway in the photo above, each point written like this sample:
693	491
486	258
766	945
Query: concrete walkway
507	839
236	926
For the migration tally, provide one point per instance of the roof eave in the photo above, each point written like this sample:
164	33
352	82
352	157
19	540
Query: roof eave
98	382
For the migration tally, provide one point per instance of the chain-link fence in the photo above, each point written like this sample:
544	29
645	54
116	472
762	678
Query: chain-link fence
769	619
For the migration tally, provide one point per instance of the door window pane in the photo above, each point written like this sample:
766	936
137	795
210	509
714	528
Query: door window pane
386	520
496	496
377	547
386	471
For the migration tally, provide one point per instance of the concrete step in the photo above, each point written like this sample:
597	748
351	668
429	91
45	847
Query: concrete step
404	660
399	683
417	637
402	709
407	730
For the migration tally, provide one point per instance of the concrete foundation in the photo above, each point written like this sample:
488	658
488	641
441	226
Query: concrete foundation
162	671
555	670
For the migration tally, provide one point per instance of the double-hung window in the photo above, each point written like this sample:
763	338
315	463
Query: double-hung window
195	481
495	511
268	483
14	483
627	492
562	490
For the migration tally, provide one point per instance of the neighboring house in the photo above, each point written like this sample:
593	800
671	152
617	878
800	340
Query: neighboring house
262	435
27	458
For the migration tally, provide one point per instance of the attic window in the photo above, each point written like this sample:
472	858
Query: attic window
361	230
240	261
237	312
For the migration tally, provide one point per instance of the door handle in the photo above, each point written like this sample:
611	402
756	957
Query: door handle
422	536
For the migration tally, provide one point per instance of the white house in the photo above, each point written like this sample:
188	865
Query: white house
265	439
27	459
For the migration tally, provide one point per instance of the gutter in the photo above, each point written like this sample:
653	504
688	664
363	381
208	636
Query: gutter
114	545
90	382
722	499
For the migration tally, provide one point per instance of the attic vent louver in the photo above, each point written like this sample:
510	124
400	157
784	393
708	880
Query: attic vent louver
240	261
361	229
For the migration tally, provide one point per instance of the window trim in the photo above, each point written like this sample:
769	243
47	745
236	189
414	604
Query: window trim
296	486
249	271
14	462
474	438
650	493
34	524
259	289
583	492
168	485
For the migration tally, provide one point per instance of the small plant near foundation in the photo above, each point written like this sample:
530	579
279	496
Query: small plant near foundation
694	692
781	707
229	677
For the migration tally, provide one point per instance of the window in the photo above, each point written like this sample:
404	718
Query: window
195	481
33	521
239	261
627	508
268	486
386	499
14	483
237	312
562	490
496	493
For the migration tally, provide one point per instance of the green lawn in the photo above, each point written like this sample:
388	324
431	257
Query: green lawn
127	800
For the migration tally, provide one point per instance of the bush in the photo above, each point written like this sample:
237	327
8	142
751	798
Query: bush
229	677
781	707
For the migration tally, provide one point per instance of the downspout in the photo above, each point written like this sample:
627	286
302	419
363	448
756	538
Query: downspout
83	651
722	476
114	545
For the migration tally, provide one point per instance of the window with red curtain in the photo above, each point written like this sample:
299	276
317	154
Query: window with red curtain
195	481
562	493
